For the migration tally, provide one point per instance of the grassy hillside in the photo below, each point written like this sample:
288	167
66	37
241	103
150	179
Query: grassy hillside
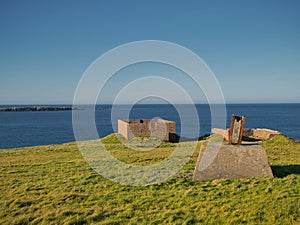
54	185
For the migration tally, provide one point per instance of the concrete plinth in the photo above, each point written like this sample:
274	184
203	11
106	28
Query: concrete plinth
232	161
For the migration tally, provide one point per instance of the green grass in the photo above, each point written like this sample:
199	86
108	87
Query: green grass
54	185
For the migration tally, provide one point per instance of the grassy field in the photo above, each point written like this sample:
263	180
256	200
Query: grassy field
54	185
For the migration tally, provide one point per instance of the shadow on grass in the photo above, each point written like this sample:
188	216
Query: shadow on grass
283	171
176	138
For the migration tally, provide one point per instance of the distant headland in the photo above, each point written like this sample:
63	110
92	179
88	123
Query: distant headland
36	108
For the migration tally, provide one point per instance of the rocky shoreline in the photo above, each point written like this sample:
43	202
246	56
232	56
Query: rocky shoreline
36	108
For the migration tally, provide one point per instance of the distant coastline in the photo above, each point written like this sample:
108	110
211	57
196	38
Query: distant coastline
36	108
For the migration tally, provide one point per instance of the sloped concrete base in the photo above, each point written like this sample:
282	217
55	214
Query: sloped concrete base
232	161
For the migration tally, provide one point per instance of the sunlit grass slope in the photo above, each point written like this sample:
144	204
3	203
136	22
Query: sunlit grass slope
54	185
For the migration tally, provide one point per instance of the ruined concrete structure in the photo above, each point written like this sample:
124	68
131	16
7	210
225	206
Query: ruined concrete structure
258	133
158	128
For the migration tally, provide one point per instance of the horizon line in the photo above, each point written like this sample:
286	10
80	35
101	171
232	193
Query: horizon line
149	103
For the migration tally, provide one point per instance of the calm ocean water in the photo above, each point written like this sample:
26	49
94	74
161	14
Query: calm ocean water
18	129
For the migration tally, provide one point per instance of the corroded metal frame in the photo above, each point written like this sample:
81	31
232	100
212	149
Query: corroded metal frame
234	120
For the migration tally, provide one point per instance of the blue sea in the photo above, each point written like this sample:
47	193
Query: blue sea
19	129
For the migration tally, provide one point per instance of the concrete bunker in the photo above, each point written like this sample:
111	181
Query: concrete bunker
158	128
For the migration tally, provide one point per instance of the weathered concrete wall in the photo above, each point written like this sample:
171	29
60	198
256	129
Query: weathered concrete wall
222	132
159	128
263	134
232	161
123	128
257	133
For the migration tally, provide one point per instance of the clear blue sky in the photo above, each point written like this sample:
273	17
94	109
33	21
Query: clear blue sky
253	47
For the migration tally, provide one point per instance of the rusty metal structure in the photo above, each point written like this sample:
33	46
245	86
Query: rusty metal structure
236	129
